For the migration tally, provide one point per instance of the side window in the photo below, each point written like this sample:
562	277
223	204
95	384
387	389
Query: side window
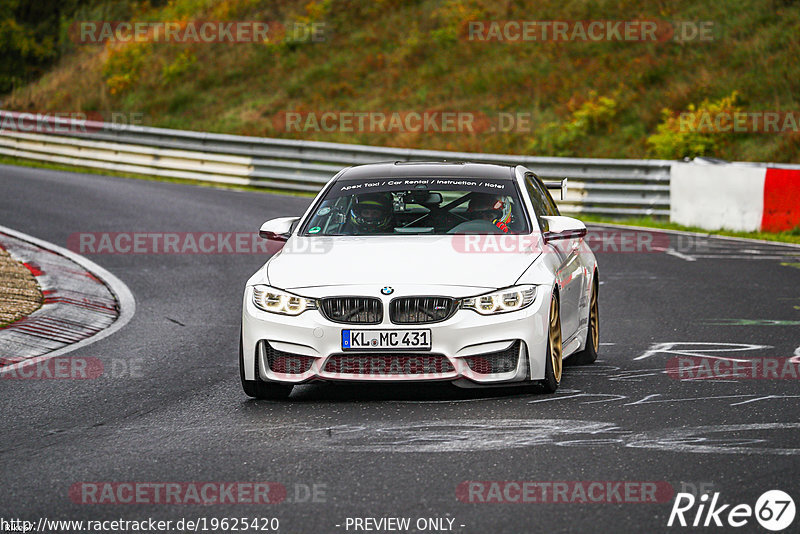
540	206
548	203
549	198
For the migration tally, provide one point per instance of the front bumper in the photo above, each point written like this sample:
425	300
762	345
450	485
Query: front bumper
461	346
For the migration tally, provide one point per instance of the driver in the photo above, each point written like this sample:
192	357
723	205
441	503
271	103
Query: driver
372	213
489	207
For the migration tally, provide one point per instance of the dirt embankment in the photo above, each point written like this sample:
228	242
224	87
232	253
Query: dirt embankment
20	295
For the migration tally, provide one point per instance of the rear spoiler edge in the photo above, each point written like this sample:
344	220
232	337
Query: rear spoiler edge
558	185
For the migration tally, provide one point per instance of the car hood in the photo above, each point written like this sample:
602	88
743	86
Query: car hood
307	262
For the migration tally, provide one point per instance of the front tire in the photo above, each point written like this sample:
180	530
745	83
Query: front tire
553	363
258	389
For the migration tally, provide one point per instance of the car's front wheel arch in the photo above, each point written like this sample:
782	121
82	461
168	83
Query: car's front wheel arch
591	345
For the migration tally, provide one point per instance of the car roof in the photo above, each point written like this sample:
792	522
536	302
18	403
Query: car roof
444	169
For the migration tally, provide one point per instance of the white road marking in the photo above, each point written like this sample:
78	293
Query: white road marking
551	399
617	398
584	395
636	374
645	400
673	252
738	257
767	397
700	352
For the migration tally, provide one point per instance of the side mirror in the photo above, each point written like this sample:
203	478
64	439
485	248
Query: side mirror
563	228
279	229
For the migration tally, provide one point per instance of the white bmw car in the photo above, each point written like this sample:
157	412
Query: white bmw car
408	272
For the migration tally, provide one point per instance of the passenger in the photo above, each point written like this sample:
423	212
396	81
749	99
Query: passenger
488	207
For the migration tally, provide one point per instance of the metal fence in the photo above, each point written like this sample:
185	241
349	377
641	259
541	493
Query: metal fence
614	187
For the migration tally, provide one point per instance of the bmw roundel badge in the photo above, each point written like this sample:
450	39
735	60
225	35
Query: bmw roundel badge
387	291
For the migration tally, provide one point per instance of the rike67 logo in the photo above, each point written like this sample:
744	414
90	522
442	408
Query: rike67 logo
774	510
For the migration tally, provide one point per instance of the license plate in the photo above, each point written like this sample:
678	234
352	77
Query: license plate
386	339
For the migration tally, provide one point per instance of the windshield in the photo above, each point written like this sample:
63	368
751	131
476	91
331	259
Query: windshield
437	206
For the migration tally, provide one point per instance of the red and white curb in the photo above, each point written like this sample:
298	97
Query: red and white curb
83	303
735	196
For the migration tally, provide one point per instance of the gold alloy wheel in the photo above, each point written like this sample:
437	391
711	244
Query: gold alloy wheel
594	323
555	340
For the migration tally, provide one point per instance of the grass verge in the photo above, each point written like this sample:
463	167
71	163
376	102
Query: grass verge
791	236
20	162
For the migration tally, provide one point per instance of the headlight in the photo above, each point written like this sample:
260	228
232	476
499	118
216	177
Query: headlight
503	301
274	300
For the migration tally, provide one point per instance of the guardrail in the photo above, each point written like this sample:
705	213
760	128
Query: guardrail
614	187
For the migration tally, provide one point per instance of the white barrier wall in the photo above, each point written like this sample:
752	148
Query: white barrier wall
735	196
713	197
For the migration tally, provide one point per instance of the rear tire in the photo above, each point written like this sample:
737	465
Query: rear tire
589	354
258	389
553	363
